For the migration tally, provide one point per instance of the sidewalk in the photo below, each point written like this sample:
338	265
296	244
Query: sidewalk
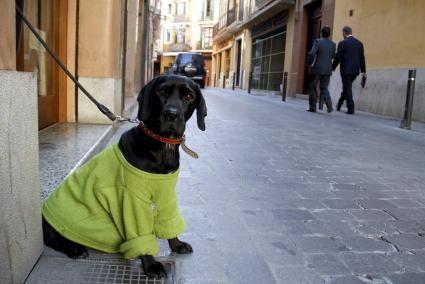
280	195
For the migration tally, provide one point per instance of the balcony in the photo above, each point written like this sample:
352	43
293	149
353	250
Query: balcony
261	3
225	20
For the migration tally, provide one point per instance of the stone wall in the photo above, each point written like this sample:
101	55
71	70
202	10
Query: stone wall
385	92
20	216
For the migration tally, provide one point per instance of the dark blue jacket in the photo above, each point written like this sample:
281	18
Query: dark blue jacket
350	54
324	50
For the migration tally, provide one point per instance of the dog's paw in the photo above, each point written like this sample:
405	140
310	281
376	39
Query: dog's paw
76	251
180	247
153	268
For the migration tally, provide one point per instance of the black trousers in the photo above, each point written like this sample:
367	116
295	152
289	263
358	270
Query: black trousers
324	83
347	93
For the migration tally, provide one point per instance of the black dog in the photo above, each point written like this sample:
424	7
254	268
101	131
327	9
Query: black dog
165	105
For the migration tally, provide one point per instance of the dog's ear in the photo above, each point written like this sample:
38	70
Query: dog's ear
201	107
145	99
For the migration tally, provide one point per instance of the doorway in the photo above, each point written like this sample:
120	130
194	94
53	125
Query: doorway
49	17
314	12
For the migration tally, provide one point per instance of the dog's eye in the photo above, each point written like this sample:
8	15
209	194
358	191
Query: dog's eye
188	97
161	92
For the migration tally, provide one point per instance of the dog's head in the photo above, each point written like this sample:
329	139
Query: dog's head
167	102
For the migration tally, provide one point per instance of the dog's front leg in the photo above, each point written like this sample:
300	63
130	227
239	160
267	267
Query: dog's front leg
152	267
179	247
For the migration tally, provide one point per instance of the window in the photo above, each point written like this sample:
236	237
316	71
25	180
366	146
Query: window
181	8
181	35
206	38
168	36
268	58
208	12
170	9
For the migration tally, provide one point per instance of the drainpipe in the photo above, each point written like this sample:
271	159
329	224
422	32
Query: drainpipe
124	51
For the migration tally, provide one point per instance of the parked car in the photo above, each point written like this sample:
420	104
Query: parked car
191	65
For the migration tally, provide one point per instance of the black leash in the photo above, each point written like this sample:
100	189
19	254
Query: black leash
101	107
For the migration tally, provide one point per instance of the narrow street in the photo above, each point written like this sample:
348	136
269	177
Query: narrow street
280	195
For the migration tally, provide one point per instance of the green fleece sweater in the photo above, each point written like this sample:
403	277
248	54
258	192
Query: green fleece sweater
109	205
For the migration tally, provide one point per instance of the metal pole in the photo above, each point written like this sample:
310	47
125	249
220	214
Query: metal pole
234	81
285	82
224	81
407	120
249	82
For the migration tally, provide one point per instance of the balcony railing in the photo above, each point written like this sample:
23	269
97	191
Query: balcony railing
241	10
225	20
261	3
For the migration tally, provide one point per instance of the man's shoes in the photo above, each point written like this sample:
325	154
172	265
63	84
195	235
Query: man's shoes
350	112
311	110
338	108
330	109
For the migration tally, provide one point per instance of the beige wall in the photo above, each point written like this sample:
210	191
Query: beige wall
247	47
133	10
99	38
138	66
392	31
99	56
289	48
7	41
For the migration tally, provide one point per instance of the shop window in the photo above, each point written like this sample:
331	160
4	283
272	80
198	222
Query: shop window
268	57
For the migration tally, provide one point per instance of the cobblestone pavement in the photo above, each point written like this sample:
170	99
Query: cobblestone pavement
280	195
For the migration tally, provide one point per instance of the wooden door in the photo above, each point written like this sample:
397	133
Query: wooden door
49	17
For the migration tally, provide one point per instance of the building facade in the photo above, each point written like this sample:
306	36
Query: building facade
107	44
250	45
187	26
263	44
394	42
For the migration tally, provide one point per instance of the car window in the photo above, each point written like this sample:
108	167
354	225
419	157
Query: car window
184	59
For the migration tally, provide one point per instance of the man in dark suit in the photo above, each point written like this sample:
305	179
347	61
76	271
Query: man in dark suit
320	62
350	54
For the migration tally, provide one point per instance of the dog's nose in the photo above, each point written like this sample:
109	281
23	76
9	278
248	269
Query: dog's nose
171	114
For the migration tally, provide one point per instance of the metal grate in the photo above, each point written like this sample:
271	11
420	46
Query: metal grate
95	271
